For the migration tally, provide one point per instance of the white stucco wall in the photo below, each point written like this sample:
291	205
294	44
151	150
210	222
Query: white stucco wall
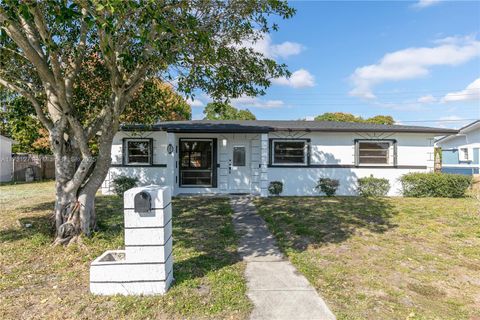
338	149
146	175
5	159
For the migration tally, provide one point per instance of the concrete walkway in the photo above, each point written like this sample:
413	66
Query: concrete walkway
276	288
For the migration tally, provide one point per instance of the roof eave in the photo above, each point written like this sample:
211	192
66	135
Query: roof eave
432	131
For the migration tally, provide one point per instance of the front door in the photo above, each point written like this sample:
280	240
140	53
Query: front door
197	157
239	177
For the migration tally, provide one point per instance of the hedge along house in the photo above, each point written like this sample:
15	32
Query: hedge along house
223	157
461	152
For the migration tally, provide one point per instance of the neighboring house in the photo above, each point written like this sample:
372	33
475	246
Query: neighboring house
5	159
461	152
244	156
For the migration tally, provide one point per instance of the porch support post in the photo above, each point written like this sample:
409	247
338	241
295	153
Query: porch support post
172	170
264	165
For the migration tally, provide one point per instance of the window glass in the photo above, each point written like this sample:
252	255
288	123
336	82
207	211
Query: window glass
196	158
464	154
138	151
239	156
196	154
289	152
373	152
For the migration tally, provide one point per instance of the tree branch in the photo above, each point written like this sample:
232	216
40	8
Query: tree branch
44	33
13	31
75	64
79	134
31	36
38	108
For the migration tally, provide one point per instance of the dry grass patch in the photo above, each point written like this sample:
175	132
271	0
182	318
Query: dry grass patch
41	281
392	258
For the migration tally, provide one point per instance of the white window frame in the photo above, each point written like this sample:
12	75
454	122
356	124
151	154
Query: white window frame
150	153
390	153
305	152
463	154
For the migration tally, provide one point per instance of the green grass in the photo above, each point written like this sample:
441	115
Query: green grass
395	258
41	281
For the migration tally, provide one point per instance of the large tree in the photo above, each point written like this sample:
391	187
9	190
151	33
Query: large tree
348	117
225	111
197	43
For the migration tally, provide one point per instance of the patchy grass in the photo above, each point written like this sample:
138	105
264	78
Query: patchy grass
395	258
41	281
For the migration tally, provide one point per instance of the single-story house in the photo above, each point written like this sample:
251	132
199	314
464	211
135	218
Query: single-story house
461	152
6	159
224	157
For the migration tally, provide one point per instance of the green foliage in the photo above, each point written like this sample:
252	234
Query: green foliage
275	188
348	117
381	120
18	121
224	111
373	187
156	101
123	183
328	186
435	185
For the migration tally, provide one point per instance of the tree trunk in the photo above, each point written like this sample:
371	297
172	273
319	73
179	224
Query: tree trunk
75	213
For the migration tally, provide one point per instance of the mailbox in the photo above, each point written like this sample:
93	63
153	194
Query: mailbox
142	202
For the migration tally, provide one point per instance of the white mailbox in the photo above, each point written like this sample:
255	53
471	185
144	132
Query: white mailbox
146	264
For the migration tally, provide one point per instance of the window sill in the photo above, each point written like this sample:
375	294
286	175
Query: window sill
288	165
138	165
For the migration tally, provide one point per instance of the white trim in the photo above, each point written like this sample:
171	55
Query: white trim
463	154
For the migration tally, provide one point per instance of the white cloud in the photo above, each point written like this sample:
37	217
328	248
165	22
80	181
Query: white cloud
265	46
253	102
427	99
470	93
195	103
299	79
412	63
425	3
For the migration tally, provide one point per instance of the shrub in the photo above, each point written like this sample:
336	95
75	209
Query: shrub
435	185
373	187
123	183
327	186
275	188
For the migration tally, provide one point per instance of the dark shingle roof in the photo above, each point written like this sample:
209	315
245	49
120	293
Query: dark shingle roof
264	126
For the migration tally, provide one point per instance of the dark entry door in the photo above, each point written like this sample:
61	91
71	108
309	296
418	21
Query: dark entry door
197	163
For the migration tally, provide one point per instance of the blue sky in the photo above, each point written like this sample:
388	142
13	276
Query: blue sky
415	61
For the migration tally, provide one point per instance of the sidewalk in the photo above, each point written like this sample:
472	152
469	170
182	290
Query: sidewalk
276	288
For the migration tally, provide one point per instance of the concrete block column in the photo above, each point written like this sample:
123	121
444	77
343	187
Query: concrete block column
264	165
145	267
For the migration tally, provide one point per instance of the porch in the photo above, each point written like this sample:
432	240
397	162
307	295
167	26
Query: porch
225	163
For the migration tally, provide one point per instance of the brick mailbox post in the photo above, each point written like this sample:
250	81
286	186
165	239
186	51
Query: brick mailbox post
145	267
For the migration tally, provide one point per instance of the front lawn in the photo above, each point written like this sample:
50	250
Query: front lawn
395	258
40	281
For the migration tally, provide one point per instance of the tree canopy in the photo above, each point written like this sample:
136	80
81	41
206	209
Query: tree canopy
225	111
45	46
348	117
